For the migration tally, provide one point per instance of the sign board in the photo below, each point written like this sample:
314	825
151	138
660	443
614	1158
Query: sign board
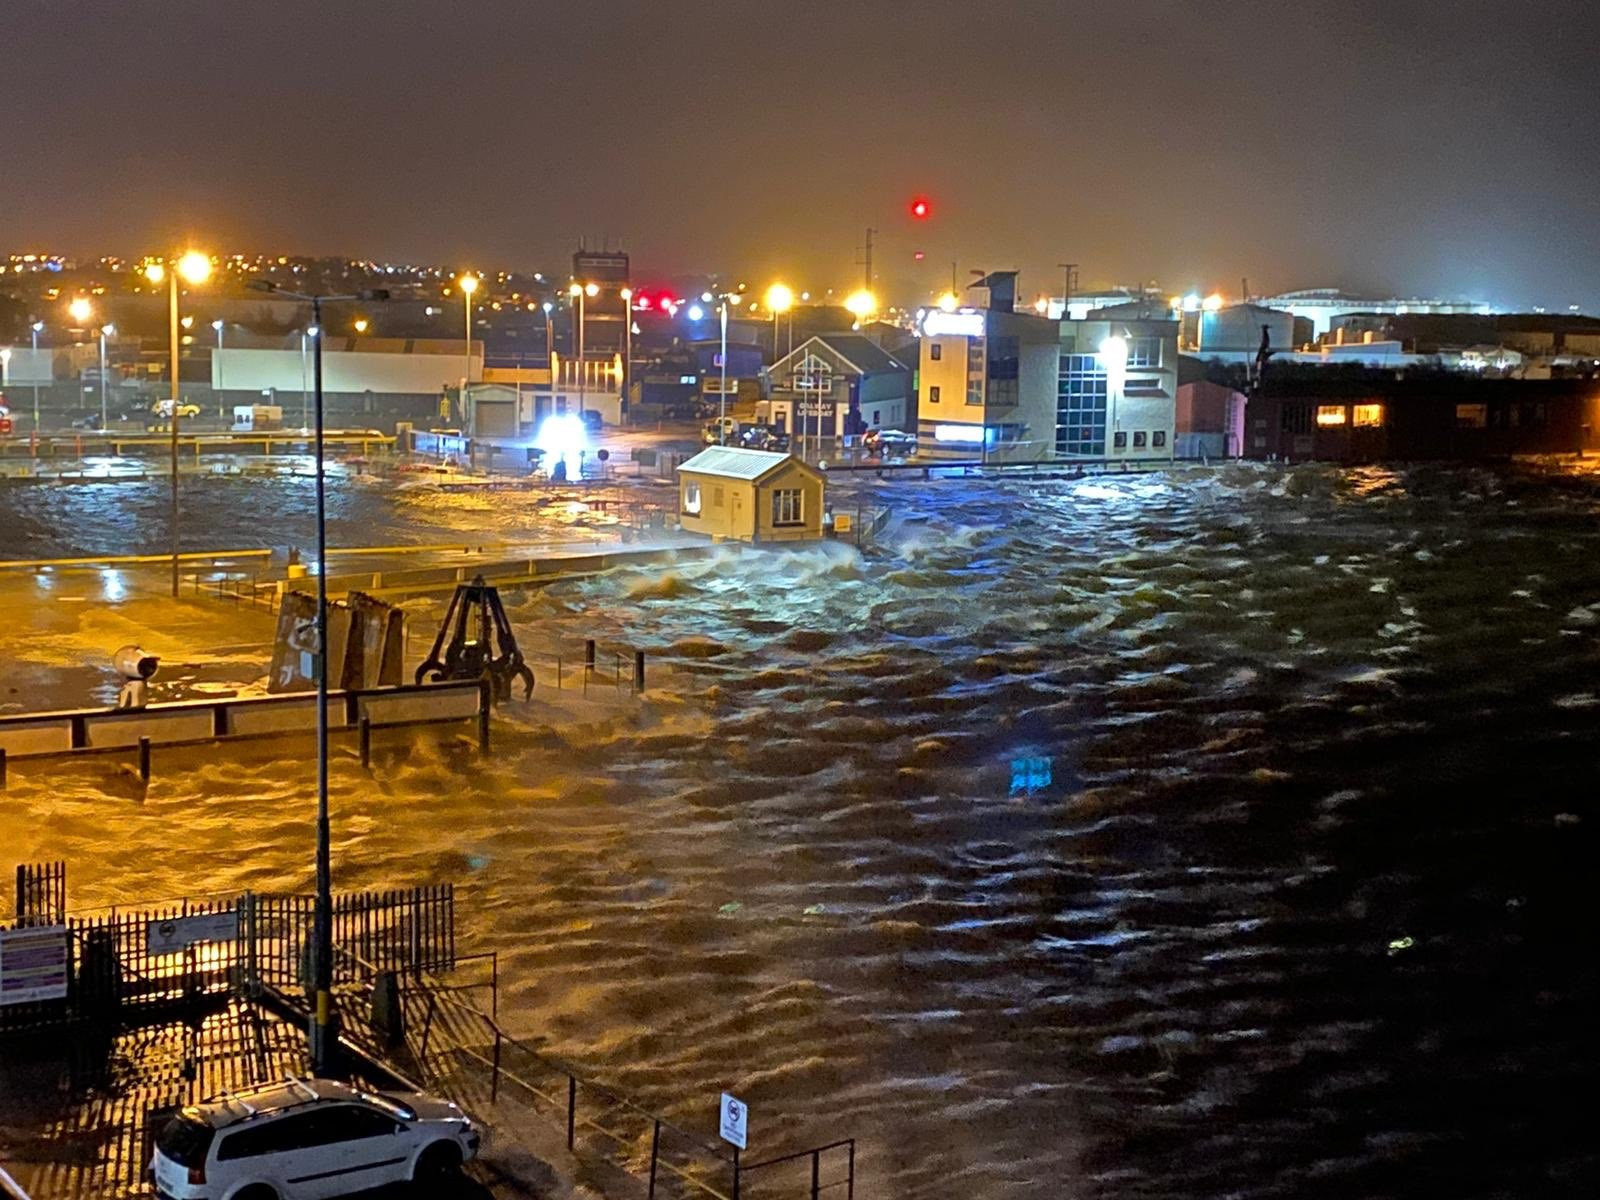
735	1122
33	964
179	933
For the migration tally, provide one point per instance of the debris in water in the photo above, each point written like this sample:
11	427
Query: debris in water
815	910
731	907
1399	944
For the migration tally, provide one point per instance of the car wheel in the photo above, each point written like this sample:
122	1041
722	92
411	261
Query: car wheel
437	1163
256	1191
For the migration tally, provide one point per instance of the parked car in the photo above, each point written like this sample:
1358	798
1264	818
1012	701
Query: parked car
889	443
762	437
305	1139
163	409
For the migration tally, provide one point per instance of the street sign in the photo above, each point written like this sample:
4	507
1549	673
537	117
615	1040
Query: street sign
33	964
735	1120
179	933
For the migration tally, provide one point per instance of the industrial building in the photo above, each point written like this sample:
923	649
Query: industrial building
750	496
987	378
1321	306
1369	416
1117	388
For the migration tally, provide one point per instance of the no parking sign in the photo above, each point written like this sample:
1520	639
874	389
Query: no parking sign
735	1121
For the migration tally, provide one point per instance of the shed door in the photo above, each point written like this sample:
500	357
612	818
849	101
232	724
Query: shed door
737	497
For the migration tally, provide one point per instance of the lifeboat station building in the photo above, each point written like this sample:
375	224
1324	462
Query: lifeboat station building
727	492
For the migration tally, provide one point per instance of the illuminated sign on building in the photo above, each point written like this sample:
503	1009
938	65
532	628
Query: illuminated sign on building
953	324
958	433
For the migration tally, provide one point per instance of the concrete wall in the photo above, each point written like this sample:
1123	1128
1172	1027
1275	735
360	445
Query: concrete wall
343	371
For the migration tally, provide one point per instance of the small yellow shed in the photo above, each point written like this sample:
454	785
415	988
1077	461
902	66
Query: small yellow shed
750	495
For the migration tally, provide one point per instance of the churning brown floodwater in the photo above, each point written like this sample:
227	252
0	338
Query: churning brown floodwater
1216	833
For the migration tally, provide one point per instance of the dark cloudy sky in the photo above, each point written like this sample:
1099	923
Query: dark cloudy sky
1425	146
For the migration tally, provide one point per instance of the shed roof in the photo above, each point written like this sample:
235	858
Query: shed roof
735	462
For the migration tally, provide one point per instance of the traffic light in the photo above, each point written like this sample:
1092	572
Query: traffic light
920	208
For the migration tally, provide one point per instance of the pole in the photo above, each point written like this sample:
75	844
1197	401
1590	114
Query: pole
722	394
305	391
580	354
1066	286
322	928
172	315
34	329
104	418
866	281
222	403
627	349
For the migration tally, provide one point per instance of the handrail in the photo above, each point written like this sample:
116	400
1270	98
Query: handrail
110	559
798	1154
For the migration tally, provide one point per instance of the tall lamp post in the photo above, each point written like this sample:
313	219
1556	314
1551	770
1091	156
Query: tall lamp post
323	1032
222	404
105	331
36	328
195	268
549	332
305	380
722	391
627	344
579	291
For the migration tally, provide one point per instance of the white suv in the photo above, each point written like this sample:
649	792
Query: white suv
304	1139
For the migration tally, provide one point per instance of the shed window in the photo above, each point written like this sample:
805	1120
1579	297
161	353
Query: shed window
786	508
691	497
1330	414
1367	416
1472	416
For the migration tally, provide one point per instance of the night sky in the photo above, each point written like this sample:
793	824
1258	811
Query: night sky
1418	146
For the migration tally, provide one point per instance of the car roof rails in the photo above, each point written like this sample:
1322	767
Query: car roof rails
295	1081
232	1098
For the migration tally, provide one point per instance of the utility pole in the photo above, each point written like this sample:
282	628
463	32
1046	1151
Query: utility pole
866	259
1244	290
1067	270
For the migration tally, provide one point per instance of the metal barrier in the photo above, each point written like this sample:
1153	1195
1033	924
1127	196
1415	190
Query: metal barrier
814	1157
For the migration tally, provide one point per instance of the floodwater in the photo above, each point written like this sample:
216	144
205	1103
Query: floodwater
1216	833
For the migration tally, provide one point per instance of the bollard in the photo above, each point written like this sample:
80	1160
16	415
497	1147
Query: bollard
144	759
638	671
366	741
558	672
655	1147
484	702
2	766
588	657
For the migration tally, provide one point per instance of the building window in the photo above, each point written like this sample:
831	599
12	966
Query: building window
936	352
691	498
1158	438
933	394
1472	416
1144	352
1119	439
1367	416
786	507
716	497
1330	414
875	416
1081	406
1138	439
1295	418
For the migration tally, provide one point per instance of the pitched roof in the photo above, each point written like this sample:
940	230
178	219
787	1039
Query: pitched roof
734	462
855	349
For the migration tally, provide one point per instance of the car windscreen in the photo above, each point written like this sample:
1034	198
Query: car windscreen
186	1141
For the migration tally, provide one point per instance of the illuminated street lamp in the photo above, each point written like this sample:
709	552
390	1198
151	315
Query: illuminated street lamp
627	342
549	330
862	304
948	302
324	1034
780	299
36	329
105	331
218	325
80	310
468	284
195	268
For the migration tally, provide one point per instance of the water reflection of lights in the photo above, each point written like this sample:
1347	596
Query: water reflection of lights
115	586
563	437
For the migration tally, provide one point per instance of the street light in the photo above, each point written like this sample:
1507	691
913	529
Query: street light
35	329
195	268
468	284
80	310
222	405
861	304
549	332
323	1032
578	292
105	331
780	300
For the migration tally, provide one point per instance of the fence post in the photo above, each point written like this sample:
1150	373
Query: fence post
366	741
588	657
485	701
494	1078
638	671
22	888
558	672
2	766
572	1111
655	1143
850	1186
816	1173
144	759
736	1173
